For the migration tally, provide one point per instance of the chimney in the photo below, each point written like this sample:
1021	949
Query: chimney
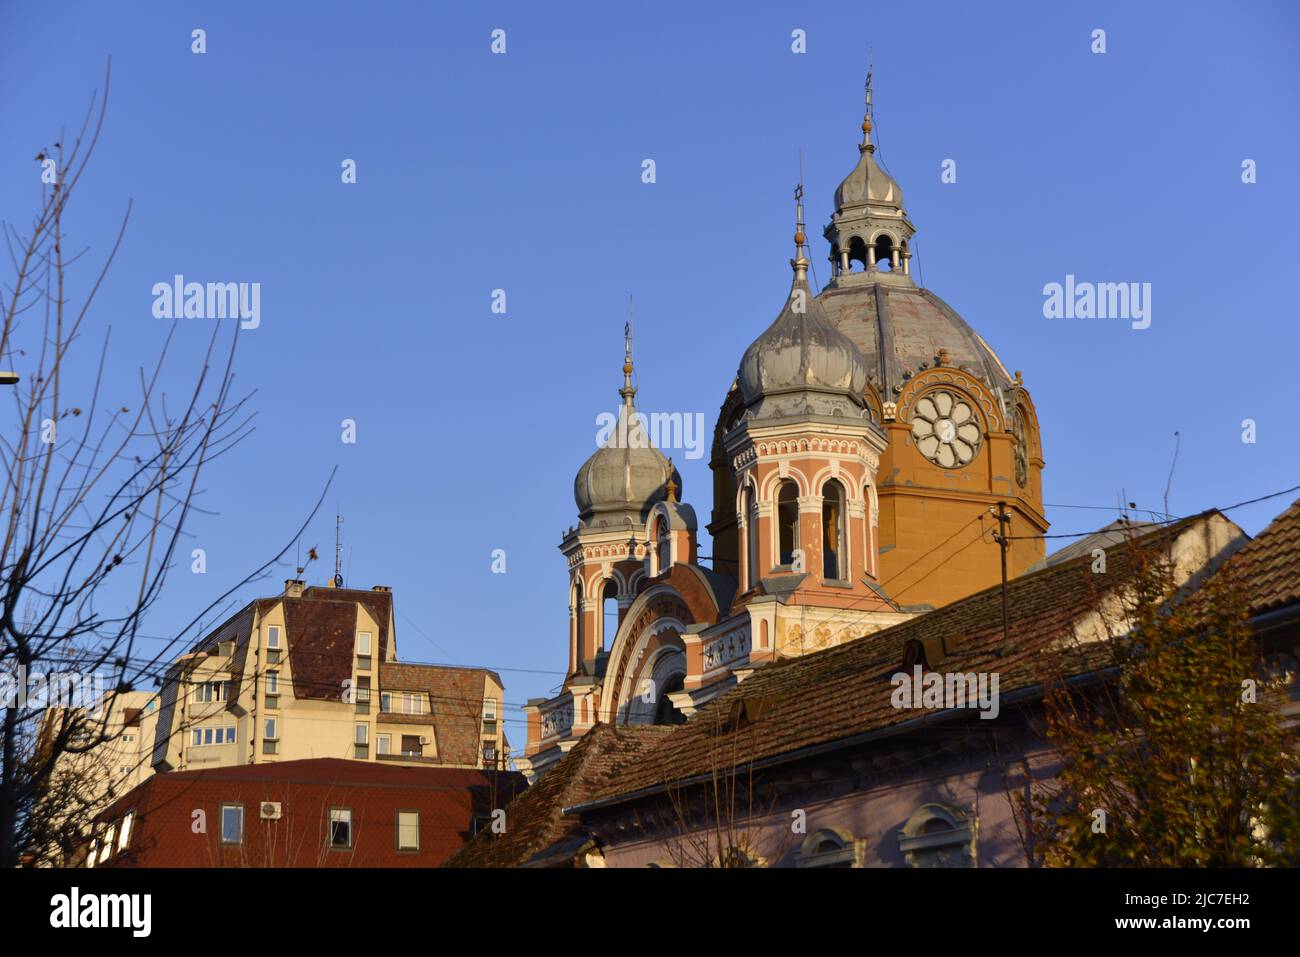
293	587
386	589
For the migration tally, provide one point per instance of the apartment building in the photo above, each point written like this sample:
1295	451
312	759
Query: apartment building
313	673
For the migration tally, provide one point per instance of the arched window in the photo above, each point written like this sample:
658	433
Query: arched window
577	624
835	565
663	547
751	537
857	252
787	518
884	253
609	615
938	835
868	555
827	848
665	711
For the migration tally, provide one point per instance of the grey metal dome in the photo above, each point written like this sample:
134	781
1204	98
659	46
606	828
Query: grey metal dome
803	357
868	184
622	478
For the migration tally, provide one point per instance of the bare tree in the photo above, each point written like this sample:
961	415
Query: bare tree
97	489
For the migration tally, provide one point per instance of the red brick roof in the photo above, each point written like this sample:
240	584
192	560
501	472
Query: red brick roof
448	801
535	820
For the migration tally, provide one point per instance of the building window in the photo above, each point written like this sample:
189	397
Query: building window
408	830
363	734
938	835
363	644
835	566
94	849
411	746
128	738
124	838
232	824
383	744
663	547
787	520
413	703
273	636
751	538
489	710
209	691
270	736
340	827
106	849
363	694
273	682
385	701
208	736
829	848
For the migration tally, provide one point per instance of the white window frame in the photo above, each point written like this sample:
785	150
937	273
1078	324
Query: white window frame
416	825
338	815
273	682
383	744
273	637
386	701
221	823
490	709
364	640
271	729
412	703
362	734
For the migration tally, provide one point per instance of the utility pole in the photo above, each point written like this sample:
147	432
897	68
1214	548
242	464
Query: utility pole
1004	520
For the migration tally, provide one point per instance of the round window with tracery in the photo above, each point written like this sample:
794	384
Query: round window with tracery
945	429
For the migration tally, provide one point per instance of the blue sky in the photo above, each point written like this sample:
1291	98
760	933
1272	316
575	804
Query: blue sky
522	172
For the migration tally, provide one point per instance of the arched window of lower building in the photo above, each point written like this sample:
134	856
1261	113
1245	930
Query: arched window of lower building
939	835
834	555
787	518
829	848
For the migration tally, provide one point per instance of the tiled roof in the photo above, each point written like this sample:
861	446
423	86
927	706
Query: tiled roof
448	801
456	695
535	820
1269	566
845	691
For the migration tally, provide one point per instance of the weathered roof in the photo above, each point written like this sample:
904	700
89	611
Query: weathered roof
845	692
535	820
1269	566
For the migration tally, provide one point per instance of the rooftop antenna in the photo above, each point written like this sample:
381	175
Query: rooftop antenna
338	550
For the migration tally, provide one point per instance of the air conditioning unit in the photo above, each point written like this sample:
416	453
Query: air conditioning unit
424	740
271	811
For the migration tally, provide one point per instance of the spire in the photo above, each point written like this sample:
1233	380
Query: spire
866	146
800	262
628	390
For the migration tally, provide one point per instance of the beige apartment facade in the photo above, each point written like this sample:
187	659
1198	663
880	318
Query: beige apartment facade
313	673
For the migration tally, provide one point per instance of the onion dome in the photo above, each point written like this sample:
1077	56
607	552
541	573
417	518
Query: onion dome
801	364
627	475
